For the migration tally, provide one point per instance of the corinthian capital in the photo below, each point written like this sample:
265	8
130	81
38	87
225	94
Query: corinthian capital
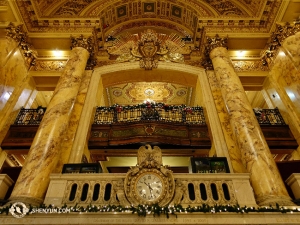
19	36
89	44
217	41
82	42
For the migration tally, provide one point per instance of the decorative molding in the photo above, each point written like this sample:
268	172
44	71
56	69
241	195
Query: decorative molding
278	36
246	66
48	65
17	33
148	48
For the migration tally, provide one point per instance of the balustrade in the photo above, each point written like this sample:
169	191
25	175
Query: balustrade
191	189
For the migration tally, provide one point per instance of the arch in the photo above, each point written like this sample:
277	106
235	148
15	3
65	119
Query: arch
131	72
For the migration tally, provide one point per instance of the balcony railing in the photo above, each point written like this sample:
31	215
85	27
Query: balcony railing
149	112
30	116
268	116
157	122
108	189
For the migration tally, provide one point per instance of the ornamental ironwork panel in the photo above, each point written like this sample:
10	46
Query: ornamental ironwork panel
149	112
30	116
268	116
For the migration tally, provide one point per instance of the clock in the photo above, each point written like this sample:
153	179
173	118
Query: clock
149	187
149	182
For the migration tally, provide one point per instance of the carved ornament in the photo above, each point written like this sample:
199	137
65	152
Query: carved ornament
89	44
277	37
212	43
148	48
17	34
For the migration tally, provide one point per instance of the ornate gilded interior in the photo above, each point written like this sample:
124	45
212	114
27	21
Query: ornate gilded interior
247	24
117	27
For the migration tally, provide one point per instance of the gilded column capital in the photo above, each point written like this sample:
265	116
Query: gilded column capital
18	35
217	41
277	37
212	43
89	44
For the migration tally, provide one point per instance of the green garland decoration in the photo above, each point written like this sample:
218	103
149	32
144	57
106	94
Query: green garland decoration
156	210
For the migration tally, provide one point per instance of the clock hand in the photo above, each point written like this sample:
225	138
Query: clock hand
150	188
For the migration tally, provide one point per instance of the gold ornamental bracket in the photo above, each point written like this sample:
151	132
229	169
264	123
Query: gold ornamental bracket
149	182
149	48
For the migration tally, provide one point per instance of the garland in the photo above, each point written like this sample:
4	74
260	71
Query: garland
156	210
147	104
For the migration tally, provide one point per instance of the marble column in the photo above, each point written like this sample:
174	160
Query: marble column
233	152
86	119
44	153
264	176
214	122
76	116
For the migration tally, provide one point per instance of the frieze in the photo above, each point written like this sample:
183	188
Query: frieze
47	65
243	66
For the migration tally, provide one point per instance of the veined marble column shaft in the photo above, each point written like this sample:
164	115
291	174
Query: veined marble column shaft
264	176
224	122
73	128
44	153
85	121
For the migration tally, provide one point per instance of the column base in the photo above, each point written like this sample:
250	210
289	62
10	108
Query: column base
26	200
272	200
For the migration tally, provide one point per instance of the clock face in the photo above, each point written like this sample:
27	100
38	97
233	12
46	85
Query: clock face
149	187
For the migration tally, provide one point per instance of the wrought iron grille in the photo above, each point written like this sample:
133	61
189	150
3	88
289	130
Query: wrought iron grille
149	112
269	116
30	116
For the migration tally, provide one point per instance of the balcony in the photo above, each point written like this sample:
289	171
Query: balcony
151	123
176	127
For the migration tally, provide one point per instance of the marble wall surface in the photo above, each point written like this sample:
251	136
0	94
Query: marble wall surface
285	80
16	87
